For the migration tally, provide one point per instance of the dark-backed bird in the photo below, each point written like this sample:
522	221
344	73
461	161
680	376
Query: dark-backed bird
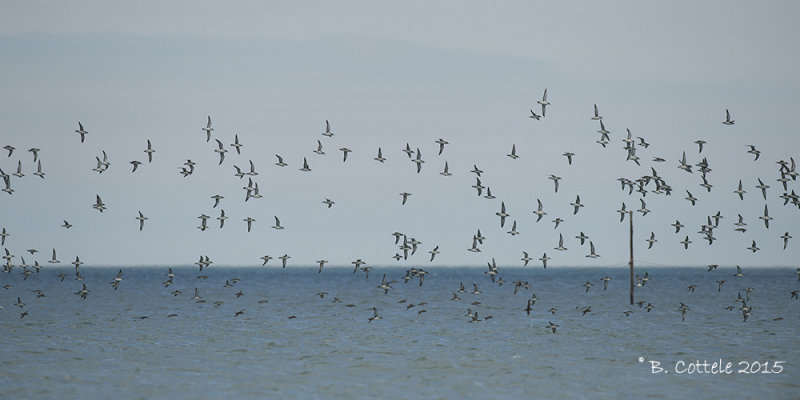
728	120
208	129
80	131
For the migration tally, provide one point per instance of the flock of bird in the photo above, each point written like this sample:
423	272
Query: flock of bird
406	245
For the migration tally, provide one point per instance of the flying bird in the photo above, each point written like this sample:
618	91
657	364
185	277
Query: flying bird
502	214
596	114
543	102
80	131
327	132
652	240
728	120
149	150
141	218
249	222
555	180
345	150
321	264
513	153
319	148
305	165
236	145
544	259
577	204
221	150
446	171
418	161
208	129
441	142
380	158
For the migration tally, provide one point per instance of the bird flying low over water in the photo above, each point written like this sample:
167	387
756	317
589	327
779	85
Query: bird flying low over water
321	264
374	316
385	285
84	292
544	259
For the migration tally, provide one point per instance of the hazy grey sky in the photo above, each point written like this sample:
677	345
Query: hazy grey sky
386	75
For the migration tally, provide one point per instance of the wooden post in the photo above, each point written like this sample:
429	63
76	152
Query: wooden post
630	217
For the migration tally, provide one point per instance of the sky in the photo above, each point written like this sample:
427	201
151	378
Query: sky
385	75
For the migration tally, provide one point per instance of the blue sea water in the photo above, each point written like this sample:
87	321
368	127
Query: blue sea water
68	347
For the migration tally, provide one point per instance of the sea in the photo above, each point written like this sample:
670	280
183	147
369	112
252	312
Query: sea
294	333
